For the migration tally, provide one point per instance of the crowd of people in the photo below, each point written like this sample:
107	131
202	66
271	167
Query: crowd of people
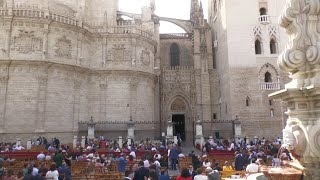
154	162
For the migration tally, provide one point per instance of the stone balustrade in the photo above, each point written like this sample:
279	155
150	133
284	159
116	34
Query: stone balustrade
270	86
33	11
264	19
178	68
175	35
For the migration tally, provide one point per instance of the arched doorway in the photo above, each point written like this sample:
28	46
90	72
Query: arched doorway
182	126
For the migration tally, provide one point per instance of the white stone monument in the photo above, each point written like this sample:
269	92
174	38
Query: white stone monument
29	144
169	136
91	129
130	127
237	129
18	142
120	141
175	139
199	134
83	141
74	143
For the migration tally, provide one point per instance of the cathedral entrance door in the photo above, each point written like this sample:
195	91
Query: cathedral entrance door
179	125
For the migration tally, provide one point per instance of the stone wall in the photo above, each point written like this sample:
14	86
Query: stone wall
56	74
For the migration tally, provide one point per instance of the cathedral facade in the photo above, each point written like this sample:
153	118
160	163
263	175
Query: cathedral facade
62	62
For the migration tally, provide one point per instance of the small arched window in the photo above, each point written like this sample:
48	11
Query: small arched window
273	46
271	112
247	101
174	55
267	77
263	11
257	47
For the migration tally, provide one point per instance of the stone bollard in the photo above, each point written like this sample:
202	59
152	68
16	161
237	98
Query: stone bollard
83	141
29	144
18	142
120	141
175	139
75	141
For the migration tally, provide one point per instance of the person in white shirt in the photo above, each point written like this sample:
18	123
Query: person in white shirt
53	173
253	167
206	163
133	154
18	148
201	175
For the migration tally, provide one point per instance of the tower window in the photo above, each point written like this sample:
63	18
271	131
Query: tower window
174	55
271	113
273	47
214	116
267	77
257	47
270	102
263	11
247	101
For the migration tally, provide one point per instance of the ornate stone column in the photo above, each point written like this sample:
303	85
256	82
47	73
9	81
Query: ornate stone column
301	59
237	128
130	126
199	134
91	128
169	136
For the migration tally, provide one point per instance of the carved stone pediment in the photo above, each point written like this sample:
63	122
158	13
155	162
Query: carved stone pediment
64	48
145	57
26	42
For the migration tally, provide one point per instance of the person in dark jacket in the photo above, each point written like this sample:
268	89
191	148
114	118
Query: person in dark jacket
239	161
174	156
65	170
142	173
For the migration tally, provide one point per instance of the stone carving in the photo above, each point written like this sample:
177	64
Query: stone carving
257	31
178	105
145	57
118	54
26	42
317	140
64	48
303	50
272	31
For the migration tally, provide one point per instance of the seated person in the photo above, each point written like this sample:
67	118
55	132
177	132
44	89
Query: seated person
227	167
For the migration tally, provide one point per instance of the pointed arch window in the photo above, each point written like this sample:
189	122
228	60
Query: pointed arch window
267	77
174	55
247	101
257	46
273	46
271	112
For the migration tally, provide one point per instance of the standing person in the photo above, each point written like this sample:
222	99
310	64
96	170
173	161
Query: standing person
174	156
142	173
239	161
53	173
192	172
122	163
64	170
58	158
